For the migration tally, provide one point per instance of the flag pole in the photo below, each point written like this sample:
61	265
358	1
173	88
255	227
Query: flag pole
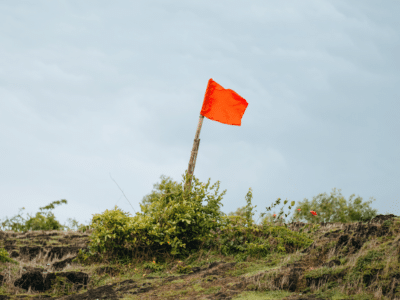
193	156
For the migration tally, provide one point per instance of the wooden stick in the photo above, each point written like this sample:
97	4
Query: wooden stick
193	156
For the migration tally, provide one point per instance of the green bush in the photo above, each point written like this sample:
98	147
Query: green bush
39	222
231	236
111	231
328	209
235	239
239	235
246	212
334	208
269	220
258	249
172	221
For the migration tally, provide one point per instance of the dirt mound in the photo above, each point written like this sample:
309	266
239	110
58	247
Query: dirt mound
338	257
34	247
334	240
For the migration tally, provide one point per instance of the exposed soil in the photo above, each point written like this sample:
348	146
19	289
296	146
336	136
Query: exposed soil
342	257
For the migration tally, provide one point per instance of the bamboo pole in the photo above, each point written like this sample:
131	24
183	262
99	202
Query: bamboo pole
193	155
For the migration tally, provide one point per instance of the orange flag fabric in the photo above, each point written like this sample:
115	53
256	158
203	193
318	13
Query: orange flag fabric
223	105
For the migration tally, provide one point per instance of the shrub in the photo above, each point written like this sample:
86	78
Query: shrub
172	221
111	230
269	219
324	209
335	209
39	222
246	212
238	235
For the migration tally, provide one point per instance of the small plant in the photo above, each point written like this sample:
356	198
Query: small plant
153	266
265	222
86	258
387	223
258	249
4	257
246	212
183	269
62	286
241	257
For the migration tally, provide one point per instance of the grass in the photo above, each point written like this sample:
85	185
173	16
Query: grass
262	295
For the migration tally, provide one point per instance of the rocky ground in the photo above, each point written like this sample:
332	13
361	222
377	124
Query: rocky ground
345	261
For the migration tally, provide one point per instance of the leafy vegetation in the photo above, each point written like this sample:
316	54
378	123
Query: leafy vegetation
177	223
4	257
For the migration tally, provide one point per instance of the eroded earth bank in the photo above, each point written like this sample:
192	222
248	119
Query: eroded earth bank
345	261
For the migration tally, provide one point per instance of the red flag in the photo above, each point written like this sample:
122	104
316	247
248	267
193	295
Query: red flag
223	105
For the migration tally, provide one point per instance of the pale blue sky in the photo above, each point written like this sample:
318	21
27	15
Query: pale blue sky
89	88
